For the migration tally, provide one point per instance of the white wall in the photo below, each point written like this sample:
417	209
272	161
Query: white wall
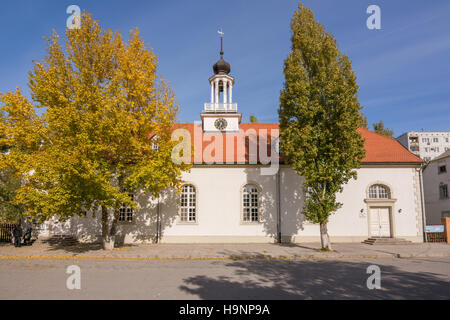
405	188
434	206
219	208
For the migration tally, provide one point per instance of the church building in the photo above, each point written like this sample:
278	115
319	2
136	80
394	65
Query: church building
239	189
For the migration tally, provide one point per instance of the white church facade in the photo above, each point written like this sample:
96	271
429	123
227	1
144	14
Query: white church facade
239	189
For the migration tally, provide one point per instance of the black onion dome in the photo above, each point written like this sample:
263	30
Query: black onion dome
221	67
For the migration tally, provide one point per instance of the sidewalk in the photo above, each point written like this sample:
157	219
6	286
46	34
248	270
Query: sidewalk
41	250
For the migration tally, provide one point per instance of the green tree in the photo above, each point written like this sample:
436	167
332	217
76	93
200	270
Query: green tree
379	128
319	116
365	123
9	182
253	119
91	146
3	140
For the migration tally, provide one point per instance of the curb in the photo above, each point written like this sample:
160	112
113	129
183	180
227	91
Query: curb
232	258
432	255
385	255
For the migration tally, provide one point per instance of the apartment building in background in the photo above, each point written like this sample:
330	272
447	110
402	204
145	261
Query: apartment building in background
436	181
427	145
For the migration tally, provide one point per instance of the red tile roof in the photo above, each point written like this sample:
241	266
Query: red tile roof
379	148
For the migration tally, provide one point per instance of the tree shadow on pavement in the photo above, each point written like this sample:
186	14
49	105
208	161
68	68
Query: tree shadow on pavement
78	248
72	248
312	279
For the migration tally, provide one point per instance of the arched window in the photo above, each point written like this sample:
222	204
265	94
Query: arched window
188	204
379	191
250	203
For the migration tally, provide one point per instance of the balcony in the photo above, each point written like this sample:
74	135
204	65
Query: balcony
221	107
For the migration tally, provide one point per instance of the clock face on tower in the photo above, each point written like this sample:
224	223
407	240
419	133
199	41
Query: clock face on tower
220	124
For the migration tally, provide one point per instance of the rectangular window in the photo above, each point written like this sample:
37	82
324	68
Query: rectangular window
443	191
126	213
435	139
250	204
446	139
188	204
442	169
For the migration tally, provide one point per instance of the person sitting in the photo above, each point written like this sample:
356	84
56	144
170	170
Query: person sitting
17	232
27	237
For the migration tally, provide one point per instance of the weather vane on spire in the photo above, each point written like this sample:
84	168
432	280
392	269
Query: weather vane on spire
221	41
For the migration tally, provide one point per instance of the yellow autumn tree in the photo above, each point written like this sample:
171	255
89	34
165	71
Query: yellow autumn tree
104	111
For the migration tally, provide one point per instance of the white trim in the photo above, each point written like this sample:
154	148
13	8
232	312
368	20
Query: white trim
383	183
241	200
178	220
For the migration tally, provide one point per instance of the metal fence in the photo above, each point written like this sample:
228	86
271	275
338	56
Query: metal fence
435	233
6	231
436	237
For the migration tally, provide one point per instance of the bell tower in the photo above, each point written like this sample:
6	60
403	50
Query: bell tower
220	115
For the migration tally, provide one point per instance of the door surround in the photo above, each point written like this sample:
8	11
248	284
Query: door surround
381	203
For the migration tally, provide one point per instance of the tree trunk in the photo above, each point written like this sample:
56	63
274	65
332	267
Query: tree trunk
324	237
108	233
113	229
109	243
105	233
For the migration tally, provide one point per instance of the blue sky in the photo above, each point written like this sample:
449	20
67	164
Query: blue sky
402	70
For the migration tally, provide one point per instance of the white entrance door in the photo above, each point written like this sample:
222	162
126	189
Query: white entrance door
380	222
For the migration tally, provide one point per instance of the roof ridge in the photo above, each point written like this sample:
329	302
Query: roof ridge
442	155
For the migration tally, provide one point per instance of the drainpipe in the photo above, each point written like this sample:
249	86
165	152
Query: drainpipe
278	206
158	222
422	198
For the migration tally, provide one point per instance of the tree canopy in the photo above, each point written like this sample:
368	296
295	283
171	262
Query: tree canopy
379	128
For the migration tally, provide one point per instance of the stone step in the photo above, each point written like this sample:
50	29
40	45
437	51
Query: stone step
394	241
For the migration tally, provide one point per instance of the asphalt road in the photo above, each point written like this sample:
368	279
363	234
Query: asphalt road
243	279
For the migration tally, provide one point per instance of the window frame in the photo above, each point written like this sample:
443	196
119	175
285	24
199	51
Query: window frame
188	205
126	212
251	207
443	191
377	193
